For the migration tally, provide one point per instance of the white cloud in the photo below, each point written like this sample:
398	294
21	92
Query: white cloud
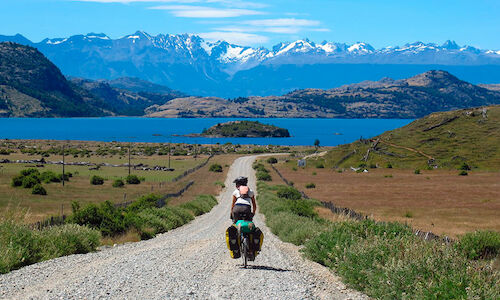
285	30
239	38
283	22
227	3
191	11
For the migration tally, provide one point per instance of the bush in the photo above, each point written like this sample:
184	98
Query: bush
288	192
38	189
463	173
118	183
132	179
264	176
220	183
97	180
30	171
310	185
373	166
417	171
388	166
104	217
30	181
215	168
464	167
272	160
17	181
18	246
320	166
201	204
144	202
479	244
49	176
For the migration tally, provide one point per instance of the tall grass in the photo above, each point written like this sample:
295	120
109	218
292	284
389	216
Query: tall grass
384	260
21	246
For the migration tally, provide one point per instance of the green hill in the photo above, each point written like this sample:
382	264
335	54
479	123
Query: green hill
32	86
245	129
440	140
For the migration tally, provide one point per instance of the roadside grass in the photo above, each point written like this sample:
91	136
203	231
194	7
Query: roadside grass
385	260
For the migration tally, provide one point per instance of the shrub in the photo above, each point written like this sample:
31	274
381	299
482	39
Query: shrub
320	166
310	185
104	217
463	173
215	168
264	176
294	168
97	180
30	171
132	179
373	166
118	183
30	181
17	181
144	202
272	160
417	171
220	183
479	244
200	205
17	246
38	189
288	192
49	176
464	167
388	166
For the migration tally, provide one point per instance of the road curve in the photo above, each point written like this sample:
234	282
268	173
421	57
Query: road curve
190	262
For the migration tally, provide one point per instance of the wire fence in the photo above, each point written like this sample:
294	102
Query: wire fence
425	235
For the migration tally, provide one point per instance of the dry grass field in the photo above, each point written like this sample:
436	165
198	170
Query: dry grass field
439	200
58	199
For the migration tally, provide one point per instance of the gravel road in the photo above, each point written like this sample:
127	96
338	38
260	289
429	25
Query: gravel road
190	262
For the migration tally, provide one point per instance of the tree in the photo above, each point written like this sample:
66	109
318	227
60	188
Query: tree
316	143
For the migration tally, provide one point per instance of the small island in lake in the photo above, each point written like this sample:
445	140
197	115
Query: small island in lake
244	129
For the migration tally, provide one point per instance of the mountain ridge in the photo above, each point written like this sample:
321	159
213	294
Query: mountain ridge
190	64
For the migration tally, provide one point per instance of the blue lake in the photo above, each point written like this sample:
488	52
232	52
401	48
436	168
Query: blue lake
330	132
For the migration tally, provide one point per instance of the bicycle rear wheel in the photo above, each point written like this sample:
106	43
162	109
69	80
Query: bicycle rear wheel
244	246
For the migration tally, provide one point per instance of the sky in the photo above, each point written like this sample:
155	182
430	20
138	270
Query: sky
380	23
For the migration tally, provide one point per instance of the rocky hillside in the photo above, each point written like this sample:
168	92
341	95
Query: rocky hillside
440	140
126	96
408	98
245	129
31	86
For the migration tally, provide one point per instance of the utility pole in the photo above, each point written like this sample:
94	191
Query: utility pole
63	165
169	155
129	158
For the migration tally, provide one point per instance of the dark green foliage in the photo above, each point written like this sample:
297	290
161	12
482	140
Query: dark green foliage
96	180
464	167
38	189
202	204
463	173
17	181
118	183
479	244
264	176
388	166
416	171
215	168
49	176
30	181
105	217
288	192
144	202
132	179
246	129
310	185
30	171
272	160
320	166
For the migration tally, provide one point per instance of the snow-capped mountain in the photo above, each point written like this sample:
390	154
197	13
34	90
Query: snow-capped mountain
189	63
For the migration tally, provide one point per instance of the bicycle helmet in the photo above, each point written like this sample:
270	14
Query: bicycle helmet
240	180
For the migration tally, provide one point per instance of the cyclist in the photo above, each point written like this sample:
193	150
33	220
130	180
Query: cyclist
243	206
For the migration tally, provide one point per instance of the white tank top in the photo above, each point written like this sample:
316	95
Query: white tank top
245	201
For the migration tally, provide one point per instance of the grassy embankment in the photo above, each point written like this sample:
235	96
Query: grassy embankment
385	260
